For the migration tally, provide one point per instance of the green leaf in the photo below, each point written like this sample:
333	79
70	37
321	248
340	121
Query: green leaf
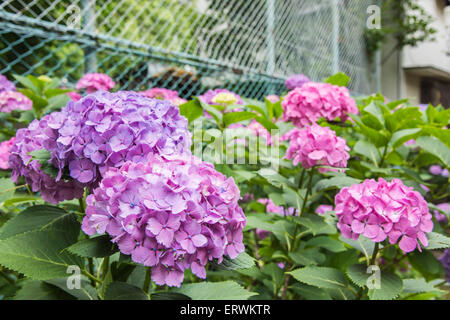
269	125
38	290
315	224
56	103
226	290
243	261
436	148
418	286
274	178
191	110
393	104
310	292
7	189
364	245
36	218
169	296
437	241
378	138
426	263
401	136
327	243
97	247
27	83
375	111
321	277
37	254
339	79
86	291
390	287
336	183
234	117
358	275
124	291
367	149
52	92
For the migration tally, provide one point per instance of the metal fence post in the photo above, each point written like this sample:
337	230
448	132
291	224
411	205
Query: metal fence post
335	35
89	25
270	16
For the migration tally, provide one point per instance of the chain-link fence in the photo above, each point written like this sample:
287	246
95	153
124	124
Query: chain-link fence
248	46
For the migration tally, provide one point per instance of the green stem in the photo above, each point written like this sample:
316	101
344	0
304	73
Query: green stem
105	267
308	191
146	286
91	277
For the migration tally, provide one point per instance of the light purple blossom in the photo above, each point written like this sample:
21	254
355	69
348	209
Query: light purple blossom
170	213
296	81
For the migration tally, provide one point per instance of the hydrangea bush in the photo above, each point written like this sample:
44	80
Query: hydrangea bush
151	196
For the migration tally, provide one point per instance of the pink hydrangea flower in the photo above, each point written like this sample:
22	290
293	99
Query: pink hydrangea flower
315	145
168	213
323	208
381	210
259	130
5	147
313	100
164	94
6	85
92	82
13	100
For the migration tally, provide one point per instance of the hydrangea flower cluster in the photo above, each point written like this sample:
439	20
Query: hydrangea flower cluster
296	81
315	145
168	213
380	210
106	129
33	138
13	100
6	85
92	82
445	261
210	97
164	94
313	100
5	147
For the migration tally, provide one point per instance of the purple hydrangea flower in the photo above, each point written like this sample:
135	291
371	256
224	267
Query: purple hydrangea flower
105	130
445	260
168	213
6	85
296	81
38	136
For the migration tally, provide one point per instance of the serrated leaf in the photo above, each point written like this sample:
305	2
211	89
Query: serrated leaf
243	261
437	241
358	275
37	254
34	218
97	247
310	292
85	292
315	224
321	277
390	287
124	291
226	290
234	117
401	136
169	296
